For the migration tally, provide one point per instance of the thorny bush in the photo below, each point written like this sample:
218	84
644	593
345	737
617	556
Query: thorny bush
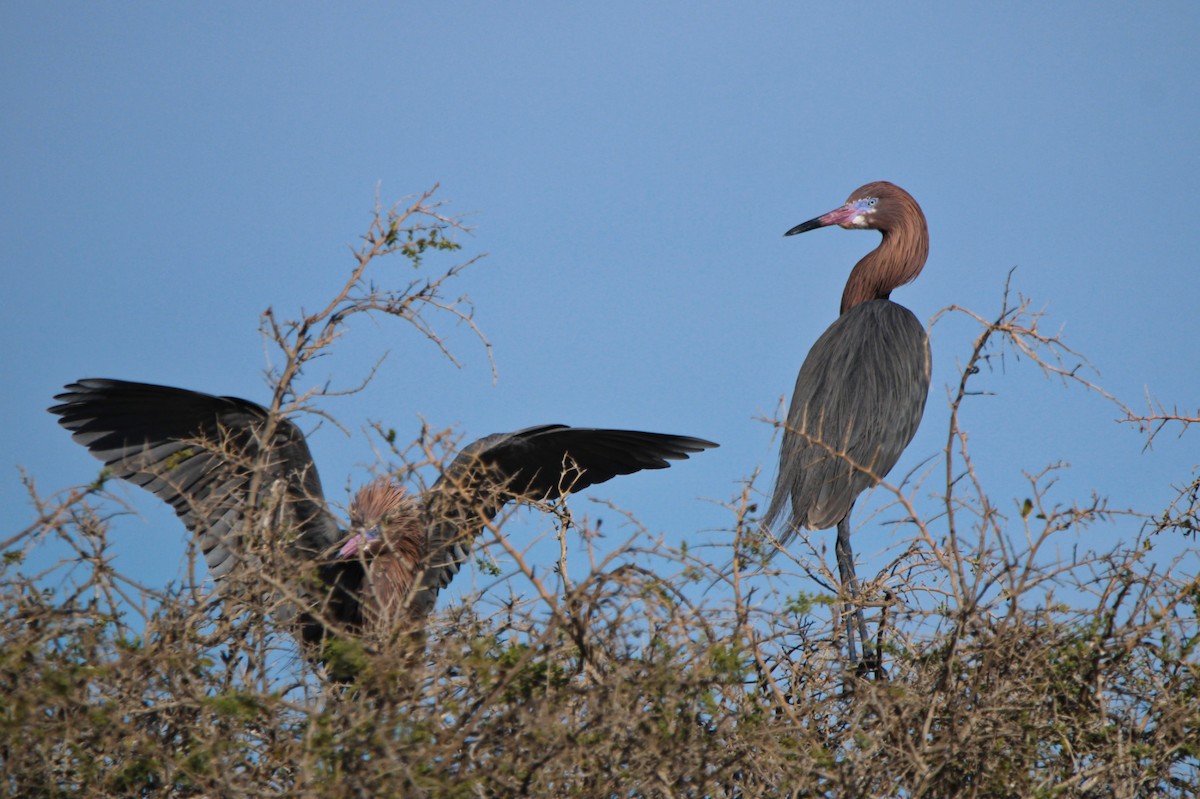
1007	673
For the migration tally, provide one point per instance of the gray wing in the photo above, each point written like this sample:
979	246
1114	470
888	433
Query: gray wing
536	463
200	454
857	404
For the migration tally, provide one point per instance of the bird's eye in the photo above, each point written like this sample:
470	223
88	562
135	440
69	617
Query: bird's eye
871	201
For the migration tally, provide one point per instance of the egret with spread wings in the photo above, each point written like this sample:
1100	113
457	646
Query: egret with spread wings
216	460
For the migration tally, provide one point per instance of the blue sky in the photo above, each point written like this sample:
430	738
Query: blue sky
171	170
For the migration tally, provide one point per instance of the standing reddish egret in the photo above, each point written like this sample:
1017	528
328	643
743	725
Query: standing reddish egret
861	391
205	456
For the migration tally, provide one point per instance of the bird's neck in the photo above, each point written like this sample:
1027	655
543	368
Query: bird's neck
897	260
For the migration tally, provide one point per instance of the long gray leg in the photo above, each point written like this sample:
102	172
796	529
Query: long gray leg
853	613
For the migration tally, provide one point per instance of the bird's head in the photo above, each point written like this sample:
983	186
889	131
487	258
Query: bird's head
876	206
382	516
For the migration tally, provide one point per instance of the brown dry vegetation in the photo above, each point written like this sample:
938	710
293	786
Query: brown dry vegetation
1008	674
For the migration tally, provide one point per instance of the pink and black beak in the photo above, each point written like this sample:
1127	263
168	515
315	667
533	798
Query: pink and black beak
368	544
850	215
